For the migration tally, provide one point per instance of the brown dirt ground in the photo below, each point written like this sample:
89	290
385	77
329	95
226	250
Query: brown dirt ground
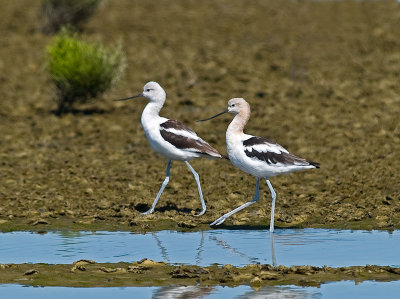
86	273
322	79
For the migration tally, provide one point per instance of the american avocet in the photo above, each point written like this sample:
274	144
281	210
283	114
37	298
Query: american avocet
255	155
171	138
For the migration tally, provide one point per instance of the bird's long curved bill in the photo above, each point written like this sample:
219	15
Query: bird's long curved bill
126	99
214	116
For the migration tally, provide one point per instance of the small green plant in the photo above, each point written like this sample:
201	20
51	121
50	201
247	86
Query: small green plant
82	70
60	13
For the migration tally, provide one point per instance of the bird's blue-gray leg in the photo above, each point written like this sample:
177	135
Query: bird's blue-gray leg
196	177
273	195
271	235
255	199
164	184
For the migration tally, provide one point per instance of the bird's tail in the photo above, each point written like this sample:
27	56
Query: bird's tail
315	164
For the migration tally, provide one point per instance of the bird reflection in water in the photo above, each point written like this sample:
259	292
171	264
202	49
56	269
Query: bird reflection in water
200	250
182	292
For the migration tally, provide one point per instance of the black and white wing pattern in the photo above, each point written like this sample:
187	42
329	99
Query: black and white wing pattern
185	138
272	153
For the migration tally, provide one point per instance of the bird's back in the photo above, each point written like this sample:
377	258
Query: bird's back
263	158
186	139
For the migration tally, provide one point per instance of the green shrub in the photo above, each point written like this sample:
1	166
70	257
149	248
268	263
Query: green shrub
82	70
61	13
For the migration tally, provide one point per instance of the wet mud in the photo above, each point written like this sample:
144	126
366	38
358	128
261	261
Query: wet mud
322	78
87	273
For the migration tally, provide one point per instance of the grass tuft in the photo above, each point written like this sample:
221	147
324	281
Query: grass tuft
82	70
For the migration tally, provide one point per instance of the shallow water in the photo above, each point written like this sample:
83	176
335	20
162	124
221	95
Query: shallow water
318	247
341	289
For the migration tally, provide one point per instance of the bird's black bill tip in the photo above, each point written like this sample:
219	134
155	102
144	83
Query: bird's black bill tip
200	120
126	99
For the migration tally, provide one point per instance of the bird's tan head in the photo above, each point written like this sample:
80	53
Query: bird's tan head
237	105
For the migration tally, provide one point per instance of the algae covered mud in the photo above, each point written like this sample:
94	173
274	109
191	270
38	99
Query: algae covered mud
149	273
322	78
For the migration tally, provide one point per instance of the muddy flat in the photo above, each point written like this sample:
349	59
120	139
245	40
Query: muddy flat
87	273
322	79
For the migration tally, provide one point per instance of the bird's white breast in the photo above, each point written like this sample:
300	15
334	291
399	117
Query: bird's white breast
151	122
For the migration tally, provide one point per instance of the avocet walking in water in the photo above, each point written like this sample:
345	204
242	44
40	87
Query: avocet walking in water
171	138
255	155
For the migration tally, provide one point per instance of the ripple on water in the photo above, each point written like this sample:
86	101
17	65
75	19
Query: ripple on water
318	247
340	289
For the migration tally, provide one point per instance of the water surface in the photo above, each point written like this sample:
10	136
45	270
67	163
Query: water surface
318	247
341	289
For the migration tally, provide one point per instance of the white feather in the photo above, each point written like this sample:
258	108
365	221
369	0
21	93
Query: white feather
183	133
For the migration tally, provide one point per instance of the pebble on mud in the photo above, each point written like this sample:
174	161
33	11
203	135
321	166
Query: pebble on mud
269	275
31	271
113	270
137	269
255	282
147	262
80	265
39	221
187	224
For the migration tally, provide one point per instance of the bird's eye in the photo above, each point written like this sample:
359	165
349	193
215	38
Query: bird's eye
148	89
233	105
